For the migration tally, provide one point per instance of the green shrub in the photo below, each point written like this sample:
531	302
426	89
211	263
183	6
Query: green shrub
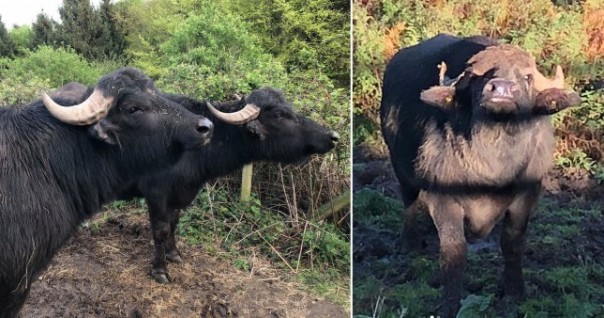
57	66
19	90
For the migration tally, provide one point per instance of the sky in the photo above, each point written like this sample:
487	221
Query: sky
25	11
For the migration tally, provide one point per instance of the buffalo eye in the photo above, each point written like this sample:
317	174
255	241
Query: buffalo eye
529	78
278	115
134	110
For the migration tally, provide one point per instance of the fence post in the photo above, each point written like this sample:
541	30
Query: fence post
330	208
246	182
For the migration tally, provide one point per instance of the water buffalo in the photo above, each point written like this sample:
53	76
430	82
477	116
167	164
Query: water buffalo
58	165
276	134
471	142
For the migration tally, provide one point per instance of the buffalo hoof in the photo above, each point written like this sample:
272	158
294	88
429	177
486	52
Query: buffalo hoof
174	257
161	276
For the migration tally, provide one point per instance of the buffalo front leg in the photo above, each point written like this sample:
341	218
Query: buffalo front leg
160	227
172	253
512	240
448	217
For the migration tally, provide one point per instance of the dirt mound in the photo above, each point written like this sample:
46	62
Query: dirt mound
103	272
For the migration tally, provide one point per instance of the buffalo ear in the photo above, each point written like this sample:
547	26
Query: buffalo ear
439	96
256	128
553	100
103	132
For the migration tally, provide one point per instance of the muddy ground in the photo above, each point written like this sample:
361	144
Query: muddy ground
563	264
103	272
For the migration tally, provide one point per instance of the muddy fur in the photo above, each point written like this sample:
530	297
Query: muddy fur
493	155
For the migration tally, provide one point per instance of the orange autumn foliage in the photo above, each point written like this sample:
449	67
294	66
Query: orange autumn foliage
391	39
593	21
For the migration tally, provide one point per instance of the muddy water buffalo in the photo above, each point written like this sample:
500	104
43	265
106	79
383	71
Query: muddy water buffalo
276	134
59	164
470	142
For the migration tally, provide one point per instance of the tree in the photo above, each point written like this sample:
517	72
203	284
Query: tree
45	31
94	33
82	28
114	40
7	46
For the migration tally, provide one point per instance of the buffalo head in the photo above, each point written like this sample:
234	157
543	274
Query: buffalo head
277	132
126	109
502	79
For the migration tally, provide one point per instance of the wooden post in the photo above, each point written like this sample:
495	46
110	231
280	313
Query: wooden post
246	182
330	208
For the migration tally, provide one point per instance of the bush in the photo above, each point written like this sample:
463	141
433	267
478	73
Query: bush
19	90
192	54
57	66
303	35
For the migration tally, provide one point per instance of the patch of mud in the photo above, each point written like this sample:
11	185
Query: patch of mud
103	272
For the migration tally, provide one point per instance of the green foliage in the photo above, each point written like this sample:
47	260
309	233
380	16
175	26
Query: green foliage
93	33
7	46
372	207
303	35
57	66
81	28
475	306
248	226
22	37
113	42
20	89
46	31
191	53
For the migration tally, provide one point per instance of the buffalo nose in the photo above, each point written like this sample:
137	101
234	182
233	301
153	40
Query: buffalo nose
502	88
205	127
334	136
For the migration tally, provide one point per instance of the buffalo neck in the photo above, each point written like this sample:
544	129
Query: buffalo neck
231	147
43	154
488	154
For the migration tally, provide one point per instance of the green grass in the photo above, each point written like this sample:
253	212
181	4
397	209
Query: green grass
563	265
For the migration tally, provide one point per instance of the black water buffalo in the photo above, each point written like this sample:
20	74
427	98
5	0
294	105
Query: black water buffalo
58	165
470	144
277	134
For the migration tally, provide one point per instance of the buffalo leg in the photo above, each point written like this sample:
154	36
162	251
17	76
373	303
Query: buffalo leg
512	240
160	227
448	217
172	253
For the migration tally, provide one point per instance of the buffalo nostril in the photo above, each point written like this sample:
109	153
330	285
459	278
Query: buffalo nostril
334	136
205	126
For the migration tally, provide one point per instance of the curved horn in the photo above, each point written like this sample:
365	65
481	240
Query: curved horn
542	83
247	114
93	109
